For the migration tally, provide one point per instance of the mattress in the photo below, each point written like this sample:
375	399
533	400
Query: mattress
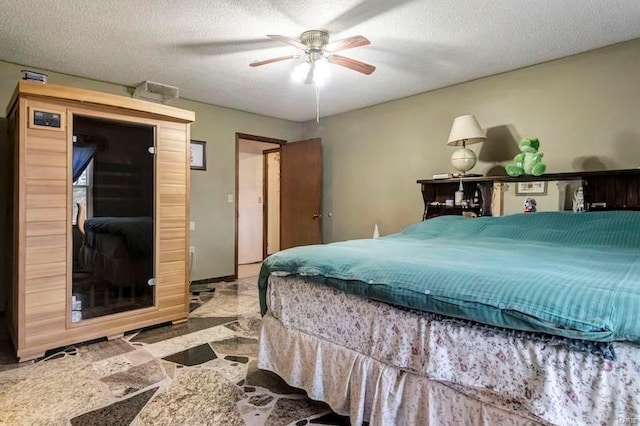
560	273
549	382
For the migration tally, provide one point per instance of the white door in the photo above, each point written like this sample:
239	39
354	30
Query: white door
250	204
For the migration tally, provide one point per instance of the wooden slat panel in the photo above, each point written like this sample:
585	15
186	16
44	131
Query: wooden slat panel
46	214
168	167
46	143
175	212
173	255
173	300
171	145
171	156
55	297
44	255
171	267
172	234
175	244
42	172
45	329
36	285
174	288
46	228
49	186
35	200
173	178
39	158
46	241
173	132
170	279
170	223
172	189
171	199
45	270
44	312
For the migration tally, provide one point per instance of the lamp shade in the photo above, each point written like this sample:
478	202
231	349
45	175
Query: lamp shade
466	130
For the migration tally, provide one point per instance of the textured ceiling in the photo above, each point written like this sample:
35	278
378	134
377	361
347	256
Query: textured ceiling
205	46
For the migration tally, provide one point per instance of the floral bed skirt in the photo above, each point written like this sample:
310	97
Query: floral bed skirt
370	360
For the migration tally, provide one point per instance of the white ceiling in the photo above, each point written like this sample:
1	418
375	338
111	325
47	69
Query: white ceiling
205	46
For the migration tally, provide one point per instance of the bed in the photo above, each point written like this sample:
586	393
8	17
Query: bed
118	250
522	319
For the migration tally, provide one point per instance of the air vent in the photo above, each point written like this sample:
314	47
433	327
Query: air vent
155	91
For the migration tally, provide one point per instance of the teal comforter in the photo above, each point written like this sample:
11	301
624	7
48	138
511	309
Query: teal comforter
566	274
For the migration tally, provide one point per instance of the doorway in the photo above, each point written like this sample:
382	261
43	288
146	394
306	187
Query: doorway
258	201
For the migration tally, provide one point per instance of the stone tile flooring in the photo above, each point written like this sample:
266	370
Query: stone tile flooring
202	372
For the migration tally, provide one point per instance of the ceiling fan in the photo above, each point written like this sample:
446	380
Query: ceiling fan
317	53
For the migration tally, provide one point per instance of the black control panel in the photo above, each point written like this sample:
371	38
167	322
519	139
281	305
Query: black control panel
47	119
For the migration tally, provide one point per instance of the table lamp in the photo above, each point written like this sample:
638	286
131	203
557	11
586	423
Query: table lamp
465	130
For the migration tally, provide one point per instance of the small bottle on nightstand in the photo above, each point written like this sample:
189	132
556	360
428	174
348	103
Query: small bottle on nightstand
459	195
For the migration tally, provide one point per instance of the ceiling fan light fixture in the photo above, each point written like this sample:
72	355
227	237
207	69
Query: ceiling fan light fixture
301	71
321	71
318	53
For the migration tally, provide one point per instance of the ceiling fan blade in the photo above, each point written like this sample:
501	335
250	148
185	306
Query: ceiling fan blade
351	64
347	43
268	61
287	40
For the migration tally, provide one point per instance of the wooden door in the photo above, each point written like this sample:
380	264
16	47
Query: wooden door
301	193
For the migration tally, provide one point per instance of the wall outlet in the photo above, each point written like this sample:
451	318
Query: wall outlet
192	250
229	198
192	226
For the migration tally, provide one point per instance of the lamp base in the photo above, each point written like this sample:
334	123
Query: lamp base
463	159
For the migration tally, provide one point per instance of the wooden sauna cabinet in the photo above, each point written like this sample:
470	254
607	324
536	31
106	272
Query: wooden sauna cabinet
39	295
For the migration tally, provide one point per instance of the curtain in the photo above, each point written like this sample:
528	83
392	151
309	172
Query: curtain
82	155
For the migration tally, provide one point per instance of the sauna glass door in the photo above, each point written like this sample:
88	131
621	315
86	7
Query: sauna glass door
112	217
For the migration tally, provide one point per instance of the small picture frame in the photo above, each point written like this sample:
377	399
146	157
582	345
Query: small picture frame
531	188
198	155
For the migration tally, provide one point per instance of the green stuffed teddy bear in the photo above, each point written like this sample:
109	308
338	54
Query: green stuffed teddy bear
529	161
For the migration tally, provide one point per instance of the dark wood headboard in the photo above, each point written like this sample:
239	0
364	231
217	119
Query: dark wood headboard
603	190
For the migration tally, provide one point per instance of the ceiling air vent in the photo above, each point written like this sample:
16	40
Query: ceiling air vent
155	91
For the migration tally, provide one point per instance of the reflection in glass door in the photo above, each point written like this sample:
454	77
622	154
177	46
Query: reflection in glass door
112	217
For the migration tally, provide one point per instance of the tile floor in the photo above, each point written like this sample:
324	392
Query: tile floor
202	372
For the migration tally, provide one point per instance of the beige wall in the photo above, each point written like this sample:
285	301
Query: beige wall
214	216
585	110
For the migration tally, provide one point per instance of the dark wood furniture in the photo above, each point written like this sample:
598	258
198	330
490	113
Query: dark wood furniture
603	190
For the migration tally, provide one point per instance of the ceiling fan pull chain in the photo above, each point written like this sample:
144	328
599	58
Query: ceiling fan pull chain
317	103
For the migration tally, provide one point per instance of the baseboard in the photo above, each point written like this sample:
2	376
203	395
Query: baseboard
215	280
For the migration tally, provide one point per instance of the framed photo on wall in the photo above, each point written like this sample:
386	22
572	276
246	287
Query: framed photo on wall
531	188
198	155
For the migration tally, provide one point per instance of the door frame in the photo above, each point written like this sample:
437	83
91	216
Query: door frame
254	138
265	198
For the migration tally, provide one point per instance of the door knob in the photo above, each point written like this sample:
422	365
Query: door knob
316	215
